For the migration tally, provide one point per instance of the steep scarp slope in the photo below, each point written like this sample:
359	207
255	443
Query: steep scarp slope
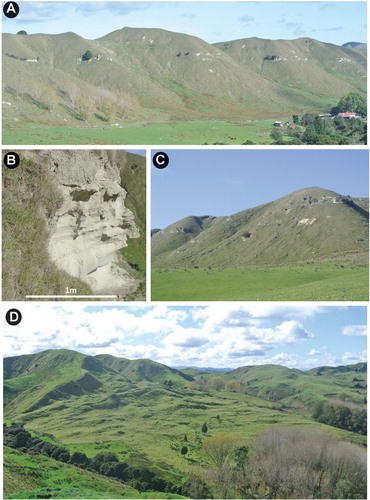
306	225
148	74
303	63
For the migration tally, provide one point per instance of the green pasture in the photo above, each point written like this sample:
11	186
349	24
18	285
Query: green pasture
169	133
319	281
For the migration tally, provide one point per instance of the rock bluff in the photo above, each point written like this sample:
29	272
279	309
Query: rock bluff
92	223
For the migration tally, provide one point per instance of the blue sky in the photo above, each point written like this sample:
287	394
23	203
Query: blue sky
330	21
223	182
219	335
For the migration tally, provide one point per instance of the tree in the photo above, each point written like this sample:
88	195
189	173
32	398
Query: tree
102	458
21	439
87	55
218	449
57	452
295	119
80	459
184	450
305	463
107	108
22	32
353	102
65	457
234	386
307	119
120	470
276	135
217	383
196	487
318	125
241	456
310	137
204	428
318	409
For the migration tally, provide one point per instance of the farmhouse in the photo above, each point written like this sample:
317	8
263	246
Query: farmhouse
346	115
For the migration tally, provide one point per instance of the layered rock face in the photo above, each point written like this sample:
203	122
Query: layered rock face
92	223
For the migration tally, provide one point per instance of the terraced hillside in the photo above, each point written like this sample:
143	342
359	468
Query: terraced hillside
142	413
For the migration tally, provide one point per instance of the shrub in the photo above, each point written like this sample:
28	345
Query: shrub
87	55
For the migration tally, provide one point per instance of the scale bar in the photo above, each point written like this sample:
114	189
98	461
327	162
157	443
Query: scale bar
71	296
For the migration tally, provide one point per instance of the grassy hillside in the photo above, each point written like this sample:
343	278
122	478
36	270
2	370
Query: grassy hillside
144	370
307	225
36	476
158	76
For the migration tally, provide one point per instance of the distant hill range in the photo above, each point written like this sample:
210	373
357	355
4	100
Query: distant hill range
54	380
137	74
307	225
356	45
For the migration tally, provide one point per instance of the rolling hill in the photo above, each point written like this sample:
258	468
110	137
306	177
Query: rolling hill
304	388
54	381
30	385
138	75
311	224
143	412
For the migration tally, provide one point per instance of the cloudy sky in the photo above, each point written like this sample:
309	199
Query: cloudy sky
330	21
219	336
235	180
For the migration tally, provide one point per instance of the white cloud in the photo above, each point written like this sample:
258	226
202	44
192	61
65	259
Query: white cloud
313	352
223	335
187	337
349	358
355	330
41	12
217	315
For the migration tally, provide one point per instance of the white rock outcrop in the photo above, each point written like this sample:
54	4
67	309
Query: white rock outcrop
93	223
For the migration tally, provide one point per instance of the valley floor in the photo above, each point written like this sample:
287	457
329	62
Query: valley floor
169	133
318	281
173	132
